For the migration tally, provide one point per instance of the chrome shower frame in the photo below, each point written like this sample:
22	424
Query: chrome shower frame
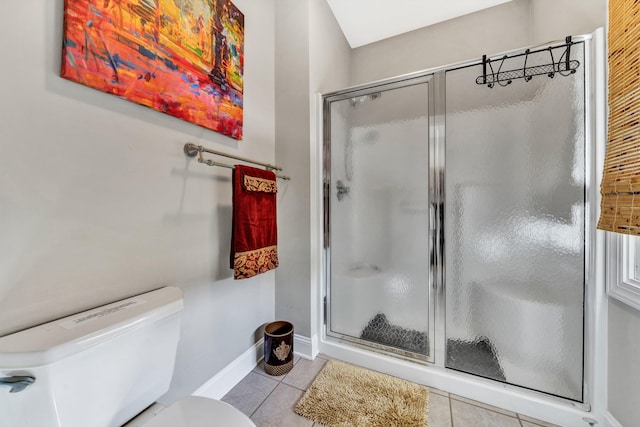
372	93
432	372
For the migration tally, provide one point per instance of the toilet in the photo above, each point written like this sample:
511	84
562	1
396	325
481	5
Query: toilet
102	368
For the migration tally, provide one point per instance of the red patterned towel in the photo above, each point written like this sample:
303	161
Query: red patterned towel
254	237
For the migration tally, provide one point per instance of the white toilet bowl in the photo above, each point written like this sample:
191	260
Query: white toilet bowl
195	411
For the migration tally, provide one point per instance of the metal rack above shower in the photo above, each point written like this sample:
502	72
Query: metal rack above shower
564	66
192	150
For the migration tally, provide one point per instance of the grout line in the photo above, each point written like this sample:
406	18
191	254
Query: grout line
451	410
292	368
438	392
263	400
479	405
276	378
278	385
304	390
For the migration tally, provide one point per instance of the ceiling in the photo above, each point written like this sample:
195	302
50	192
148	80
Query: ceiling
367	21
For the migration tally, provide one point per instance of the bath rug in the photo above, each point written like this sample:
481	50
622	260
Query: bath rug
345	395
380	331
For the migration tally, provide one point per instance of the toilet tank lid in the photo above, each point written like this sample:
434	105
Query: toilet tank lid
47	343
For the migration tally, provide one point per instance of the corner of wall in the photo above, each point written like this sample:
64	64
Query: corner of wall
313	56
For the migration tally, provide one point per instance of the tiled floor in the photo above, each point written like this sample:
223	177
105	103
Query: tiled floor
269	401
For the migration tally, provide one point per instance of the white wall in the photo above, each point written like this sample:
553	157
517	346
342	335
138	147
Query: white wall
292	152
491	30
312	56
624	365
623	373
329	59
556	19
511	25
329	68
98	201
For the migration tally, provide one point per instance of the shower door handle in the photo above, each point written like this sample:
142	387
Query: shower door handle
17	384
343	189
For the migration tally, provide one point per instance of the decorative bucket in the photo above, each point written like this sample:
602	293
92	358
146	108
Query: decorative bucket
278	347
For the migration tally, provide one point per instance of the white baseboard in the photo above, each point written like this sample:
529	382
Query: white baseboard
307	348
610	420
233	373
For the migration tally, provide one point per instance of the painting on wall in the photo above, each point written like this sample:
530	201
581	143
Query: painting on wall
181	57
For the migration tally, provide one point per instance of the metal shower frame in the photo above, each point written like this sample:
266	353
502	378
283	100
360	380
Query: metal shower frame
435	78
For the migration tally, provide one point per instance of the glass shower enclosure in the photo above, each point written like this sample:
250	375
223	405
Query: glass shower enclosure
455	222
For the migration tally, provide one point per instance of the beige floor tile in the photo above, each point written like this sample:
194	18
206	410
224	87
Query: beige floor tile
438	391
483	405
528	424
249	393
278	411
304	372
260	369
467	415
439	411
284	392
532	422
275	397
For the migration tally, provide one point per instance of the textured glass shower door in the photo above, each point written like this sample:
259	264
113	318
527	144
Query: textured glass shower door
378	239
515	228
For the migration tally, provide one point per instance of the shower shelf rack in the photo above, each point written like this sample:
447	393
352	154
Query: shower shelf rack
192	150
565	66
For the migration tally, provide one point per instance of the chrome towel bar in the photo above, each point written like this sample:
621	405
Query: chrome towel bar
192	150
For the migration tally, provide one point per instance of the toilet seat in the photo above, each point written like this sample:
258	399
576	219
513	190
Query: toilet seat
195	411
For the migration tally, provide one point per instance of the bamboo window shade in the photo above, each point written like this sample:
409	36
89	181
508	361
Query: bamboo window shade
620	189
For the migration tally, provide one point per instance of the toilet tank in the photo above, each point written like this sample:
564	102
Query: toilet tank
98	368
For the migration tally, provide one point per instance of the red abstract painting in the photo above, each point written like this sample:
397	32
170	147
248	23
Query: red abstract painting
181	57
